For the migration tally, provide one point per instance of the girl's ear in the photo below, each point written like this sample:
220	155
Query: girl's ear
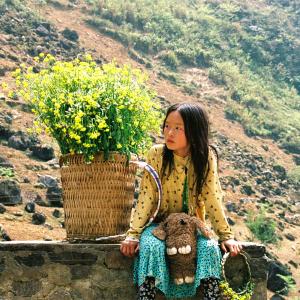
200	225
160	232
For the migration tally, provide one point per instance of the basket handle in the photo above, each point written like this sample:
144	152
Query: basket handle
155	176
245	256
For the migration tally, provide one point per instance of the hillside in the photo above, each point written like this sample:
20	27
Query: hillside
254	170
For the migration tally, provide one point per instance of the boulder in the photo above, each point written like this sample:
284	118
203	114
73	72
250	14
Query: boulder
19	141
71	35
10	192
30	207
54	196
48	181
275	282
38	218
43	152
5	163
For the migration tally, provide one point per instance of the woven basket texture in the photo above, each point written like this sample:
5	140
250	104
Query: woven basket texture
97	196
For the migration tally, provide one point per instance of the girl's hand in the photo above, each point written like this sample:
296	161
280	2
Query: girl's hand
233	246
129	248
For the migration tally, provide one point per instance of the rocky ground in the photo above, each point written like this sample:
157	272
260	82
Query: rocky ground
253	171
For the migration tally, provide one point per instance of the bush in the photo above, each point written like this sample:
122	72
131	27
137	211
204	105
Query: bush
262	227
170	59
6	172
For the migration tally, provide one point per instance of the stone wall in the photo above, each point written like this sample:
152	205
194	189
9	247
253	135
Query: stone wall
63	271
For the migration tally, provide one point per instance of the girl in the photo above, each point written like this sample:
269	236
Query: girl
187	166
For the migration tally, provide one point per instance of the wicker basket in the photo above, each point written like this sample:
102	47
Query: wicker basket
97	196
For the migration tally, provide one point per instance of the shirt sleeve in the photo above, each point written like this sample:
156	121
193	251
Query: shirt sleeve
212	196
146	202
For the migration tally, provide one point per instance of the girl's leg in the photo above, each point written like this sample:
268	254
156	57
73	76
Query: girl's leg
147	290
211	289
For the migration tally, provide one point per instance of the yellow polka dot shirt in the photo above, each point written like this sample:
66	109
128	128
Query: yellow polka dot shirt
209	202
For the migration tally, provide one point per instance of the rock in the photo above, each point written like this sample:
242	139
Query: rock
39	201
56	213
10	193
5	130
230	221
231	207
3	234
289	236
54	196
26	289
267	175
277	297
48	181
265	147
30	207
280	170
43	152
19	141
70	34
2	208
47	225
247	200
247	189
5	163
38	218
39	185
53	163
293	263
26	180
275	283
293	219
42	31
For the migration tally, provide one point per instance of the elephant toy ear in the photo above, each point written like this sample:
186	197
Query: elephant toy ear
200	225
160	232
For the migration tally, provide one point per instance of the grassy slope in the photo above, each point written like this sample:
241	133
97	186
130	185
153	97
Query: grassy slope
250	48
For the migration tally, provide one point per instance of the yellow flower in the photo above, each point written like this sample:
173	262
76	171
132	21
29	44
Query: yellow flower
4	85
119	146
102	124
94	135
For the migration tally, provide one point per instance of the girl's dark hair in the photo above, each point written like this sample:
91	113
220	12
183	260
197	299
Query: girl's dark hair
196	127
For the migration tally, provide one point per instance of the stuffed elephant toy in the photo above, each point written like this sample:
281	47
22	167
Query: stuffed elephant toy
179	230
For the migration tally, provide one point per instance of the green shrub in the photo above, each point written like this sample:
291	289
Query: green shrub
262	227
294	175
7	172
170	59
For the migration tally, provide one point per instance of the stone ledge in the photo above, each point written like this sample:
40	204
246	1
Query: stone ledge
61	270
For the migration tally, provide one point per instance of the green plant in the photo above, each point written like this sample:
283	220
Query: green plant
7	172
289	281
262	227
88	108
229	294
294	175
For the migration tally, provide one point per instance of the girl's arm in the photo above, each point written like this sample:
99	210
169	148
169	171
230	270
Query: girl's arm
212	196
146	202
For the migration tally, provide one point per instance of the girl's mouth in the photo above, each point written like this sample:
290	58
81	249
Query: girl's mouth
170	141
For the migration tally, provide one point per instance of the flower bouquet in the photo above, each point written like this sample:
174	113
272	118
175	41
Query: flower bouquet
101	117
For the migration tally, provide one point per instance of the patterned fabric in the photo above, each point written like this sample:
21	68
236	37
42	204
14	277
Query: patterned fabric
147	290
152	261
211	289
209	202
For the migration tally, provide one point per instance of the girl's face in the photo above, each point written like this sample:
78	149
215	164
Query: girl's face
174	134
